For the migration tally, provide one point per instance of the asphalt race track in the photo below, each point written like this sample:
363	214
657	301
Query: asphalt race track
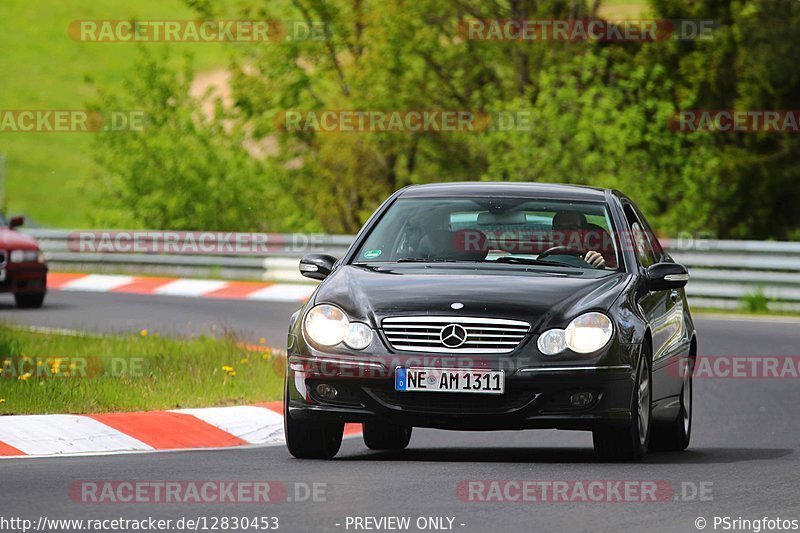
127	313
743	448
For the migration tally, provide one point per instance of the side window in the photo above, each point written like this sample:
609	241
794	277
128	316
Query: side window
651	237
638	239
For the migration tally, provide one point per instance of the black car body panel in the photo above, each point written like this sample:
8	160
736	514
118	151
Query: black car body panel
371	294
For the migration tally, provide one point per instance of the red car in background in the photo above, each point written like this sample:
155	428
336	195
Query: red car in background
23	271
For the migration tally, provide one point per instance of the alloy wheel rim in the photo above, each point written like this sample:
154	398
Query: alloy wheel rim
644	404
686	399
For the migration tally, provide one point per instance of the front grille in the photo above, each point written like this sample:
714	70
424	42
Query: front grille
425	334
453	402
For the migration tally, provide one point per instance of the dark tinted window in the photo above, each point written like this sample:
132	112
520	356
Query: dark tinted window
492	230
638	238
651	236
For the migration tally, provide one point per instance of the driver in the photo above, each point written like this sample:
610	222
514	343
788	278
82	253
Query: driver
574	225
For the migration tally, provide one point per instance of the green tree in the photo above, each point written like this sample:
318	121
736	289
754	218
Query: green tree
184	170
599	115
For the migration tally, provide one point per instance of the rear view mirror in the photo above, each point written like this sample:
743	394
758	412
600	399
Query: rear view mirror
317	266
665	276
15	222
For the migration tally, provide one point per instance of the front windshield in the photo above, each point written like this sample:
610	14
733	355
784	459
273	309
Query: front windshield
498	230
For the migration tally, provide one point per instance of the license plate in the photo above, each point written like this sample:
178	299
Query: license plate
419	379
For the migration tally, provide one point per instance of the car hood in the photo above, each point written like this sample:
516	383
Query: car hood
542	298
14	240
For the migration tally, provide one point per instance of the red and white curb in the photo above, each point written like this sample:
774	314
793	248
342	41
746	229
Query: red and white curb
109	433
194	288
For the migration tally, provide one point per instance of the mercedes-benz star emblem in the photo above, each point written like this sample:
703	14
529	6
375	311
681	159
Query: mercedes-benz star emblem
453	335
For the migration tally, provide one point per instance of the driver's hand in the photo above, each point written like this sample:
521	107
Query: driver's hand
595	259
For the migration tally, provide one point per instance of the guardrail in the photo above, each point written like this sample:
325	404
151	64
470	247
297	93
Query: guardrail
724	273
226	255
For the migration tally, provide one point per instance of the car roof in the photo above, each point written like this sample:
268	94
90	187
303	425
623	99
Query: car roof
547	191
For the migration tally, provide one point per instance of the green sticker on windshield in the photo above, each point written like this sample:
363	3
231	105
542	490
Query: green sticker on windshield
371	254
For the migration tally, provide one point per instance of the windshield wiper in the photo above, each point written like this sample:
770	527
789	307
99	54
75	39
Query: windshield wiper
423	260
528	261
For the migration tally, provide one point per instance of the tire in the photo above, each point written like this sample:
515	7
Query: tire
378	436
675	436
630	444
312	440
29	300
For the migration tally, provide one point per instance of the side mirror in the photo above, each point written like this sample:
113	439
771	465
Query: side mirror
15	222
665	276
317	266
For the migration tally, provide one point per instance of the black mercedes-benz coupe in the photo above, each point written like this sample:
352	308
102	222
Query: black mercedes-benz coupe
495	306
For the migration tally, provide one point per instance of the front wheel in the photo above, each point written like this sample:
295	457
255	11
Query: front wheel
630	444
307	439
29	300
675	435
378	436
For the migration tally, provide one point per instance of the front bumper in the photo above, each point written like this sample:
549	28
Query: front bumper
23	278
536	396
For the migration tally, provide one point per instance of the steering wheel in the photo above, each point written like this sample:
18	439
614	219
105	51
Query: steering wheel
561	250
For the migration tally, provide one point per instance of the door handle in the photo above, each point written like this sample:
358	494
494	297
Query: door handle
673	295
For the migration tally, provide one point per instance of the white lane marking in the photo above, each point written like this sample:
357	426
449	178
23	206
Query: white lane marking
276	438
256	425
64	332
176	450
97	283
190	287
57	434
283	293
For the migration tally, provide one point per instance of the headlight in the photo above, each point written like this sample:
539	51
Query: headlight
25	256
358	336
327	325
588	333
552	342
585	334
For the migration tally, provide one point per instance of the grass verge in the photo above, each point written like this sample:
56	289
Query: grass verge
52	177
59	372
